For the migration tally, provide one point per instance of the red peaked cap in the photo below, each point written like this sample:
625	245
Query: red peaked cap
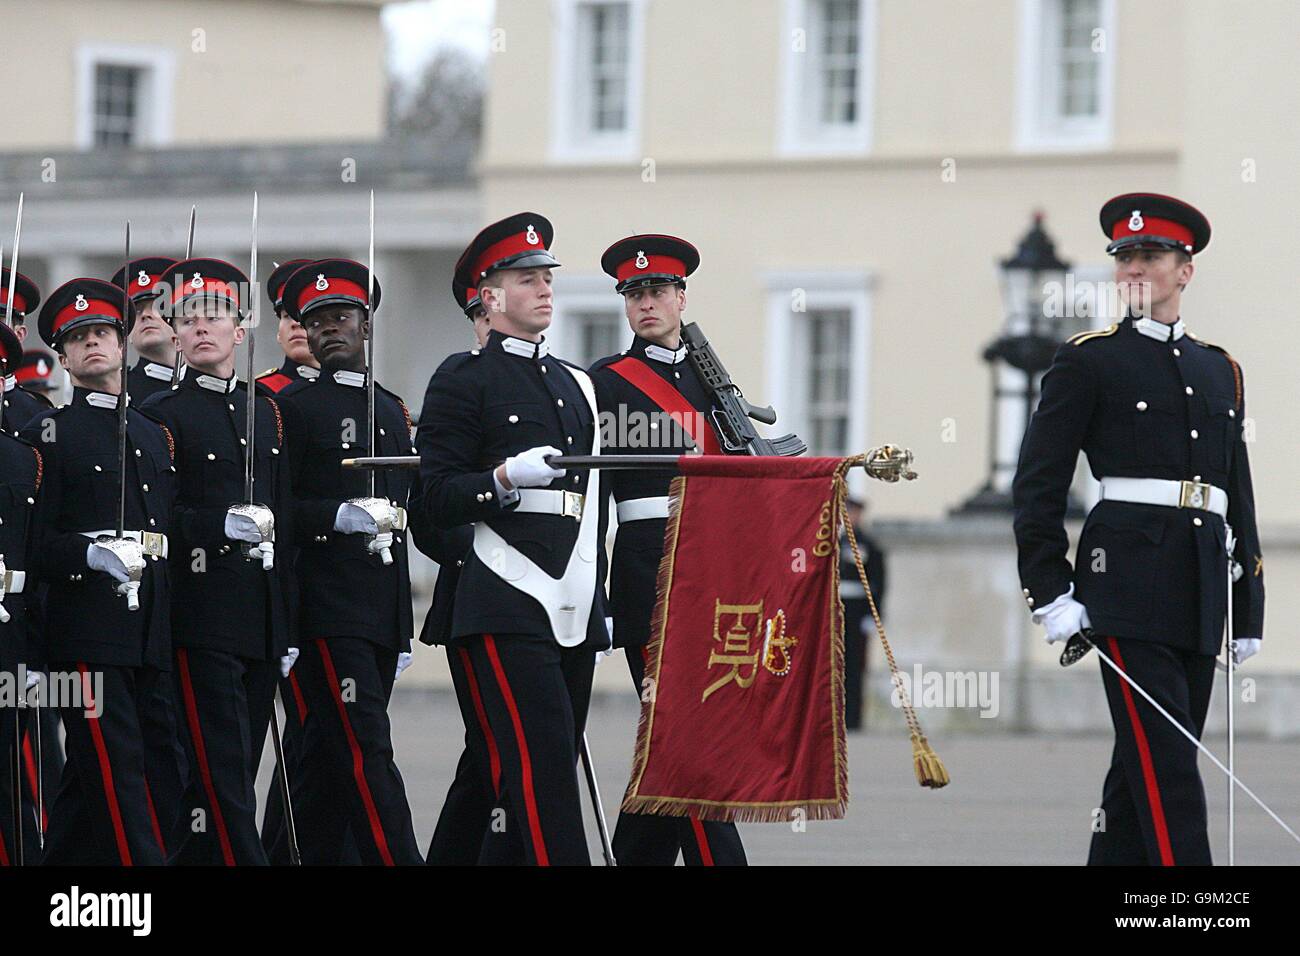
37	367
146	274
650	259
211	280
1150	220
327	282
467	298
80	302
521	241
11	350
275	284
26	295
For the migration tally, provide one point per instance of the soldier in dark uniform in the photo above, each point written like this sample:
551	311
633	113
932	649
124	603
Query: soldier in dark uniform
527	606
41	772
20	479
466	813
857	610
108	613
20	405
223	558
648	381
1161	416
353	578
298	363
151	280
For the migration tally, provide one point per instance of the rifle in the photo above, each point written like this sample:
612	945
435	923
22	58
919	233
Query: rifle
731	412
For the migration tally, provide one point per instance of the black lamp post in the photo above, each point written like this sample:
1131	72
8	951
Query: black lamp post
1017	360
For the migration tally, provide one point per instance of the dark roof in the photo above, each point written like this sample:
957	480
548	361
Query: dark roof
190	170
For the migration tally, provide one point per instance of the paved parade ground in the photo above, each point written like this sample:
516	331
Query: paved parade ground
1014	799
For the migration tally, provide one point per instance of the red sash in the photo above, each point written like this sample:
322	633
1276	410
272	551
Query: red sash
669	400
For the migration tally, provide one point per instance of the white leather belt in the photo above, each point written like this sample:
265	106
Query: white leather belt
639	509
13	582
545	501
152	542
1197	495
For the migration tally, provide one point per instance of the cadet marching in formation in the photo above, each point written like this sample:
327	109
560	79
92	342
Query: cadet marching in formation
227	583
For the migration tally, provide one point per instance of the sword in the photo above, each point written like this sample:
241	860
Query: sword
370	343
1232	777
17	789
1230	647
589	769
40	774
189	251
13	264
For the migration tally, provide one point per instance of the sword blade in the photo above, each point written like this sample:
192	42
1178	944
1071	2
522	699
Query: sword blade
122	395
250	423
13	263
370	343
189	251
589	768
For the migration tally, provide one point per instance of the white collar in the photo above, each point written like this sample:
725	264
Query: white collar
214	384
306	371
344	377
1159	330
667	356
11	382
525	348
104	400
161	372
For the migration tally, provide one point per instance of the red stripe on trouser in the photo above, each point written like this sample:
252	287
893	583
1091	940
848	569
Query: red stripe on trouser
358	761
706	855
525	761
29	761
1148	766
4	853
105	768
298	699
494	758
201	754
153	820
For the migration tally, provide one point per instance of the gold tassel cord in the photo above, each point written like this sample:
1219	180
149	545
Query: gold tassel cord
930	771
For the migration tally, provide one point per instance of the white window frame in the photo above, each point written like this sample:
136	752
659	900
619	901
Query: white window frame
799	132
157	90
582	293
787	375
1039	128
572	141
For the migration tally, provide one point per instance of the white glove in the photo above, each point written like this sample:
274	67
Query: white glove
1063	618
1247	647
364	516
33	678
250	523
530	470
116	557
403	662
286	662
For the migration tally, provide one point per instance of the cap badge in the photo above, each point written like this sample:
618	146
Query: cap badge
142	279
81	305
1135	221
321	282
42	367
531	236
197	281
641	260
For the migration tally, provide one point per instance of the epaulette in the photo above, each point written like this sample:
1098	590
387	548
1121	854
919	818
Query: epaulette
458	360
1236	369
1090	334
605	362
269	371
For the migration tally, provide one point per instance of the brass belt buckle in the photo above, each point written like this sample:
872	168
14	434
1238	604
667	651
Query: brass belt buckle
1194	494
399	524
572	505
152	542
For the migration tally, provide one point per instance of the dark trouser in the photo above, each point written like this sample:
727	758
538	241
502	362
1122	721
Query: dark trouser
328	831
535	694
644	839
106	811
855	662
11	781
1153	802
467	812
225	703
347	754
